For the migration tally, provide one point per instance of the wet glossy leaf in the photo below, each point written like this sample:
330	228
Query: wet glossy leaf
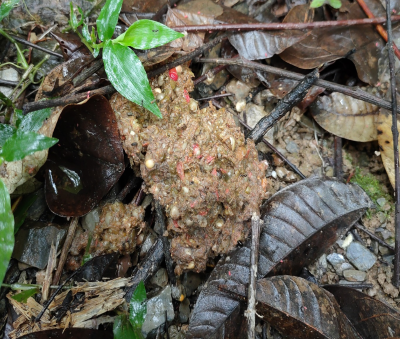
18	116
317	3
98	267
301	309
34	120
68	333
300	223
146	34
73	21
372	318
124	330
6	132
385	141
20	145
138	306
88	159
6	7
6	230
23	296
335	3
346	117
6	100
127	75
108	19
332	43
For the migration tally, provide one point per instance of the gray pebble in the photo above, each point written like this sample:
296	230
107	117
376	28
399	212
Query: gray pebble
354	275
292	147
360	257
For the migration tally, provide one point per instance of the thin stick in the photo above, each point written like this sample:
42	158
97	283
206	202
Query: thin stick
352	92
214	71
282	26
356	286
49	272
295	96
338	158
395	132
373	236
188	56
8	83
379	28
217	96
65	250
130	185
273	148
27	43
251	306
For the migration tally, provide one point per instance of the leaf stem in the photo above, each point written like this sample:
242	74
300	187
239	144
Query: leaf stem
21	55
86	43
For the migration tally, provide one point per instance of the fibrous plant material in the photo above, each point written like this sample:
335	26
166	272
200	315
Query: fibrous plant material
196	163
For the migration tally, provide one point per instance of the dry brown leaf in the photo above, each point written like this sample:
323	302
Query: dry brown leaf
385	141
346	117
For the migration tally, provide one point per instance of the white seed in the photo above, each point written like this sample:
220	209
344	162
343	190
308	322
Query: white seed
241	105
160	96
188	222
188	251
248	190
179	69
149	163
193	105
157	90
185	190
219	223
139	239
232	139
160	80
191	265
132	133
174	212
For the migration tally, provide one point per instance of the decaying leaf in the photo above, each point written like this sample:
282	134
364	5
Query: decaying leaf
346	117
300	223
332	43
78	333
372	318
385	141
88	159
71	45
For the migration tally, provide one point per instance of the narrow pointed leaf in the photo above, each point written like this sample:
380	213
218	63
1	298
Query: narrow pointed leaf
6	132
6	7
34	120
20	145
6	100
138	306
146	34
127	75
6	230
23	296
122	328
300	223
108	19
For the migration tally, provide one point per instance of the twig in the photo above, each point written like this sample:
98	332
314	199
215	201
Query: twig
338	158
27	43
273	148
8	83
169	264
296	95
130	185
352	92
86	73
65	250
251	306
34	106
282	26
204	77
188	56
138	198
373	236
49	272
217	96
379	28
356	286
145	270
395	132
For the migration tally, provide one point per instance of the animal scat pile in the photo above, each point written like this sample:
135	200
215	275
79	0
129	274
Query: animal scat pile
197	164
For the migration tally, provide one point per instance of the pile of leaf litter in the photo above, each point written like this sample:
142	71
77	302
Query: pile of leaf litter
136	225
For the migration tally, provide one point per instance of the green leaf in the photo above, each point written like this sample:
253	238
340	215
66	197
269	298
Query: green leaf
34	120
6	7
73	21
22	209
127	75
146	34
24	295
6	100
85	32
335	3
6	132
18	117
108	19
22	144
138	306
317	3
123	329
6	230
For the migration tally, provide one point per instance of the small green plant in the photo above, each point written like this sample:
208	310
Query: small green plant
123	67
333	3
131	327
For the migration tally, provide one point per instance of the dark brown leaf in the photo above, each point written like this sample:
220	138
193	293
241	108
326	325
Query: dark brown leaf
68	333
300	223
88	159
332	43
372	318
71	45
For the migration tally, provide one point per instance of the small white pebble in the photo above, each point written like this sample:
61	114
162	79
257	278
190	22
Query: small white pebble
179	69
274	174
193	105
241	105
160	96
174	212
377	153
157	90
149	163
347	241
219	223
185	190
191	265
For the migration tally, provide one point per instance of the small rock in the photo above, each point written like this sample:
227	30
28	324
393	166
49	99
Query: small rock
387	234
381	217
174	333
178	292
90	220
160	278
322	261
329	171
9	74
158	308
342	267
345	242
253	114
360	257
354	275
381	201
383	250
388	258
191	281
184	311
240	89
292	147
335	259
